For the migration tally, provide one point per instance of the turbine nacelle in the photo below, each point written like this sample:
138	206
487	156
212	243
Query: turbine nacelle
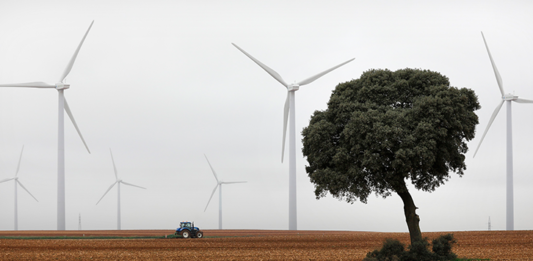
293	87
509	97
62	86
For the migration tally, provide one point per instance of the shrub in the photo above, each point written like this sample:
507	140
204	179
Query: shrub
394	250
419	251
442	246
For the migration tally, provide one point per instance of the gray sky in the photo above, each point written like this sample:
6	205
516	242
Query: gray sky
160	84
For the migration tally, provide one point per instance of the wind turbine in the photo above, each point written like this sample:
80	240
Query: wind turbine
289	106
508	98
16	181
117	182
219	185
62	106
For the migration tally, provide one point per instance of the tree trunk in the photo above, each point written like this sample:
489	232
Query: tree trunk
411	217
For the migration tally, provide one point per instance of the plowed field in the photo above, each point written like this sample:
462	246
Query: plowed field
249	245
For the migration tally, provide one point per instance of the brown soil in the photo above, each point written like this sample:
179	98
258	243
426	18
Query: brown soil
250	245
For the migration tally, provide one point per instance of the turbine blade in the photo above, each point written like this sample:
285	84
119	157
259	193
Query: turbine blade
4	180
73	59
498	77
29	84
494	114
213	170
20	158
285	119
114	168
266	68
519	100
107	191
26	190
313	78
233	182
129	184
214	190
67	109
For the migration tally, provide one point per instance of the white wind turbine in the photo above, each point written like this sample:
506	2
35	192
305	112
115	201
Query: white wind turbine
289	106
62	106
117	182
508	98
16	183
219	186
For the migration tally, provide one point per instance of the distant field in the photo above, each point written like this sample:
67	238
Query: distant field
247	245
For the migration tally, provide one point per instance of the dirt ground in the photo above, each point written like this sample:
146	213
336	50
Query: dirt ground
249	245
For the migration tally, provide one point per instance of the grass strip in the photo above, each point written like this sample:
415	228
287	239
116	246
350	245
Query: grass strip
171	236
470	259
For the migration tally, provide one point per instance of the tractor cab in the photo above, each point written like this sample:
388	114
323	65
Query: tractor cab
185	225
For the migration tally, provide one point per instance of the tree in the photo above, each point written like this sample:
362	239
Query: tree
387	128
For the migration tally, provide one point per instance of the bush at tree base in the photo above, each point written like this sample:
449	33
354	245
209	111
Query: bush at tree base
442	246
394	250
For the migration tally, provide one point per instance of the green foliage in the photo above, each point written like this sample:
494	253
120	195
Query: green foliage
442	246
418	251
392	250
386	127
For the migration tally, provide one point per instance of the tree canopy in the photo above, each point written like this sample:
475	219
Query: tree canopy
386	128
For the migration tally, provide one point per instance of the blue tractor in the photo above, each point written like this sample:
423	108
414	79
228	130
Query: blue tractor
188	230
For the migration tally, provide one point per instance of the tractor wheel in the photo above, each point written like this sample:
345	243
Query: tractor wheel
185	234
199	234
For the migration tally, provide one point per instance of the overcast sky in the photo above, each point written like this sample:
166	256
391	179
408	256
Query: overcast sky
160	84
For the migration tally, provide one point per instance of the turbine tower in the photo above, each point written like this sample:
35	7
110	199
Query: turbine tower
62	106
290	107
508	98
117	182
17	183
219	186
